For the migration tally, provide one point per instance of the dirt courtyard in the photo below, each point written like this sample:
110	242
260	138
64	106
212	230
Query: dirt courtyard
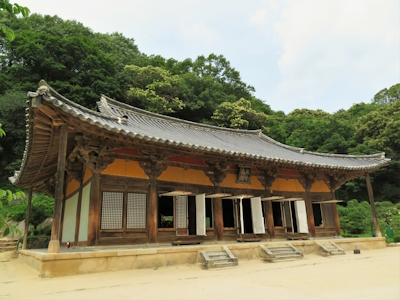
373	274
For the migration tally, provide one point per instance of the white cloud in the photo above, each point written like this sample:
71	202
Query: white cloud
296	53
331	45
200	34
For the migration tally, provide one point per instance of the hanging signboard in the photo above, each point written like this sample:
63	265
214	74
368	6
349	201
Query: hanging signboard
244	175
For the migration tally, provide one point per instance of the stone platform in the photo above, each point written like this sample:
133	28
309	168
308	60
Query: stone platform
86	260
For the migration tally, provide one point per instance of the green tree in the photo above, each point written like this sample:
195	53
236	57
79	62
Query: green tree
153	89
357	215
238	115
12	145
387	96
13	9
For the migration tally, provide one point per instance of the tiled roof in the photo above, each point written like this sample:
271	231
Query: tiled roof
136	123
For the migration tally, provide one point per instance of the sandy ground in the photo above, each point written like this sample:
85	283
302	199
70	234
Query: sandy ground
374	274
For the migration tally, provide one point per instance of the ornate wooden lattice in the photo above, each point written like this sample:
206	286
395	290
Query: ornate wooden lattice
136	211
181	212
112	207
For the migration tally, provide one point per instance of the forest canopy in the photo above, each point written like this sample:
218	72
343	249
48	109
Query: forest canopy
82	64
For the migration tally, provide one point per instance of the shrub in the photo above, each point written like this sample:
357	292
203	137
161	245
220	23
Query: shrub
396	238
18	212
38	215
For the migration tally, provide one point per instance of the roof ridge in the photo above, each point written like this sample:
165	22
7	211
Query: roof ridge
303	151
74	104
104	104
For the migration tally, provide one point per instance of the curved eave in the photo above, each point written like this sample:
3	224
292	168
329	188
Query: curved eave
113	123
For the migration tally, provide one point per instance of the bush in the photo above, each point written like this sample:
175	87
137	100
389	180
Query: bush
38	215
396	238
18	212
45	231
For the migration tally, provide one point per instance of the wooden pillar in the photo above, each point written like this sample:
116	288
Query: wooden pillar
336	221
94	210
152	209
28	211
270	218
54	245
310	213
63	212
218	218
78	210
372	202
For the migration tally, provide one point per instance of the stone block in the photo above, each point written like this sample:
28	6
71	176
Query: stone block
119	263
86	254
59	256
150	261
173	259
105	253
56	268
136	252
246	253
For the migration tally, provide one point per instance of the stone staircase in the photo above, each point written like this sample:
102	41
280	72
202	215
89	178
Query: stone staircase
217	259
282	252
329	248
8	245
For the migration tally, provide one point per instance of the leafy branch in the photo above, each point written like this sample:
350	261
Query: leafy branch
14	9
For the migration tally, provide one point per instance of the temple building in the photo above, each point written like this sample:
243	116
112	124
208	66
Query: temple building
123	175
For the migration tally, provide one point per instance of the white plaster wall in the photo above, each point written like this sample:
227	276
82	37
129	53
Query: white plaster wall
83	225
70	219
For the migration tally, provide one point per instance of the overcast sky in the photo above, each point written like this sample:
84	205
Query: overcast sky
317	54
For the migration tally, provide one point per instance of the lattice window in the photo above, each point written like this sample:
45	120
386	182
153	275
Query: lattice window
328	214
181	209
136	211
112	208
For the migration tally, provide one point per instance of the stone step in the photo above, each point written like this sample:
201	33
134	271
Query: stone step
279	248
287	258
8	243
288	255
219	257
224	264
220	261
283	251
6	249
215	253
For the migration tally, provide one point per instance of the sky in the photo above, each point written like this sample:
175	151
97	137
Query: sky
316	54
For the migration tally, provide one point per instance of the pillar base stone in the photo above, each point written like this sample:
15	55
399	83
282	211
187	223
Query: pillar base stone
54	247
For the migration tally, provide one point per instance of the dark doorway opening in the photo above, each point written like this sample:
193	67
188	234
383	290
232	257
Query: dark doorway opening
227	212
192	215
277	213
165	212
317	214
294	219
247	218
209	216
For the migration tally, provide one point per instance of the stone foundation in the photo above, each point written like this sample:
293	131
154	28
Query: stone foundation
74	263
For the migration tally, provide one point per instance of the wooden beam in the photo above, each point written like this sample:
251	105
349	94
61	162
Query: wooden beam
94	210
372	202
54	245
218	218
28	211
